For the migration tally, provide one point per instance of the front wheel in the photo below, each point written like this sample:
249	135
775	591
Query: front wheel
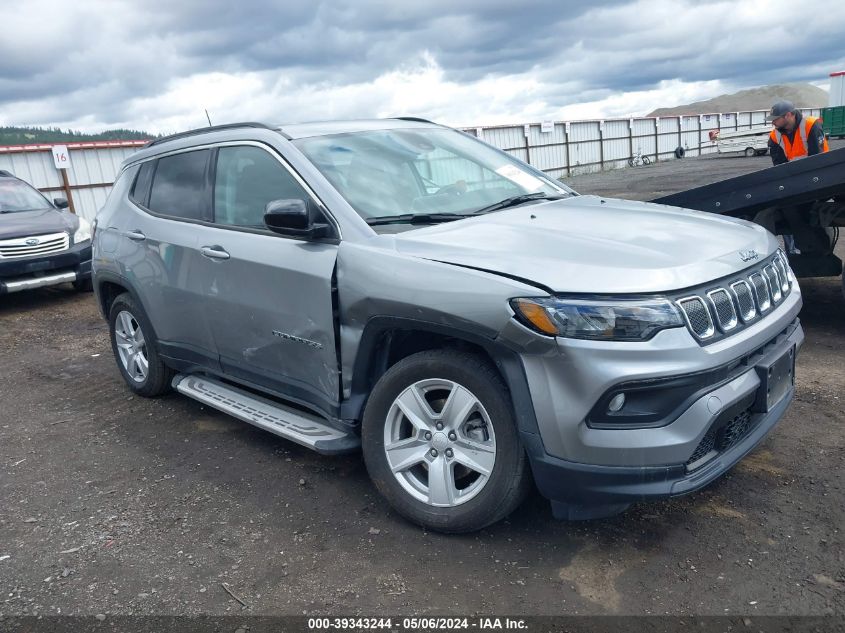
750	151
646	160
134	348
440	442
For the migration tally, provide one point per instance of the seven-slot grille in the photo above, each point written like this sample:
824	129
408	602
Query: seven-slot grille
725	311
744	299
34	245
698	316
739	301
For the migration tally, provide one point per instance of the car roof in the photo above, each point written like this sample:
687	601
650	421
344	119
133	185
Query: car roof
325	128
233	131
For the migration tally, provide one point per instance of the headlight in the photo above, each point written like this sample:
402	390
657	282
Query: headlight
597	320
83	232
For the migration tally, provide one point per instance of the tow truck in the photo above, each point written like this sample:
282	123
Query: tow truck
815	186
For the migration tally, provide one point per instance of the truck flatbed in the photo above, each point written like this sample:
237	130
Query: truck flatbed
812	179
817	183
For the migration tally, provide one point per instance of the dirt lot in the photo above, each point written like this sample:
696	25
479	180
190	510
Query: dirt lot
113	504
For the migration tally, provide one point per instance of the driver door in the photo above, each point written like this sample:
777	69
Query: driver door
269	296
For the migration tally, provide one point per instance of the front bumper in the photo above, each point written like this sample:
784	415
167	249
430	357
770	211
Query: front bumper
590	485
26	273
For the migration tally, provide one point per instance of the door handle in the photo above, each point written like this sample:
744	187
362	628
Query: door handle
214	252
136	235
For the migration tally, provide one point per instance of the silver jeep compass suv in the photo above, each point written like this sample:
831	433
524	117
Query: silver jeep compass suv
468	322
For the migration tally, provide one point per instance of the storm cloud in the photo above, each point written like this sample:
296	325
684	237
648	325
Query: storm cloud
158	65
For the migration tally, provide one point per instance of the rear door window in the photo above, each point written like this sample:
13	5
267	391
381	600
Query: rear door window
249	177
141	187
179	186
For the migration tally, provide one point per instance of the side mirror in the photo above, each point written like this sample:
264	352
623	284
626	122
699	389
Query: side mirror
61	203
293	217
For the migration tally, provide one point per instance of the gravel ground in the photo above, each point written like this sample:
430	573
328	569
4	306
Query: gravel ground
114	504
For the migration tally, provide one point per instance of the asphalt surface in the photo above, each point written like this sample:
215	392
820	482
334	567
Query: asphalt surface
113	504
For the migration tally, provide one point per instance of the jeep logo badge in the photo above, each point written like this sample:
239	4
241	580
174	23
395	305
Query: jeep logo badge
747	256
32	242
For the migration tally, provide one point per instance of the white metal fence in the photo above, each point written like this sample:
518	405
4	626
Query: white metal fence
563	148
560	148
88	179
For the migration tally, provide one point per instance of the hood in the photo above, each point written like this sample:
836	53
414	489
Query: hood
41	222
587	244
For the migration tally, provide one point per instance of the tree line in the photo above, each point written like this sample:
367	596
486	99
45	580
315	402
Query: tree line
30	135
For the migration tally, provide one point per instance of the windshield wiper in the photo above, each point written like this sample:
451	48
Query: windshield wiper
515	200
415	218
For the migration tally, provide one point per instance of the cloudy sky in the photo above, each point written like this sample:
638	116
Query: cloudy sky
157	65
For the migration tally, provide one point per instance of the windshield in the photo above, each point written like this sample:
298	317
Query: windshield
16	196
420	172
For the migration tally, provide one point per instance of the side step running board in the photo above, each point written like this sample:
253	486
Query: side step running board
297	426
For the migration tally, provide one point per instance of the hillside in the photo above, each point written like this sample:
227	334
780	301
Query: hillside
762	98
29	135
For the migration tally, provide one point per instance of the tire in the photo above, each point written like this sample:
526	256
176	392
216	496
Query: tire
680	152
485	473
132	352
750	151
646	160
83	285
630	162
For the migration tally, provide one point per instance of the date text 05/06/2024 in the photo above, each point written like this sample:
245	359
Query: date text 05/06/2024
417	623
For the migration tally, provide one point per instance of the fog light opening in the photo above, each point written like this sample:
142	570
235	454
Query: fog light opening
616	403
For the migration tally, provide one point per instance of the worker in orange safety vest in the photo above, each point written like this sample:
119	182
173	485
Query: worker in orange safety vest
794	136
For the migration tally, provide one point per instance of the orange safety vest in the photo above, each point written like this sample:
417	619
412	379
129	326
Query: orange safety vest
798	147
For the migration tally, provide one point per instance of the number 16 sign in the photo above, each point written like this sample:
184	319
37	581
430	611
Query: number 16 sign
61	157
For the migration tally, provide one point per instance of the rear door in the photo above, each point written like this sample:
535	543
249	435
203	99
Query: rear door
269	297
158	248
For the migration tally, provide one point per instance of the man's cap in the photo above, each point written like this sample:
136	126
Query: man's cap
779	109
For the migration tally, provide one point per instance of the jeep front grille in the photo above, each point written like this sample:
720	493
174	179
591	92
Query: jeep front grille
698	316
745	300
34	245
774	282
761	290
784	277
715	311
725	311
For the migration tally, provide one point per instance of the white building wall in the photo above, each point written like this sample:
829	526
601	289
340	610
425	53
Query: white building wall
837	89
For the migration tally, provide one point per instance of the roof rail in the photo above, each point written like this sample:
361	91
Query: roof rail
414	118
203	130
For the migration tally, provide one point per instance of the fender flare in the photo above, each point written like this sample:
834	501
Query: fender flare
109	277
506	360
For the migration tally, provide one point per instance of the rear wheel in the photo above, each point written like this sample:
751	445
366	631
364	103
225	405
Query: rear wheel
646	160
750	151
134	348
440	442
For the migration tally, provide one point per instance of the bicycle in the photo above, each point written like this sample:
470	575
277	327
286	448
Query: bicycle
639	159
